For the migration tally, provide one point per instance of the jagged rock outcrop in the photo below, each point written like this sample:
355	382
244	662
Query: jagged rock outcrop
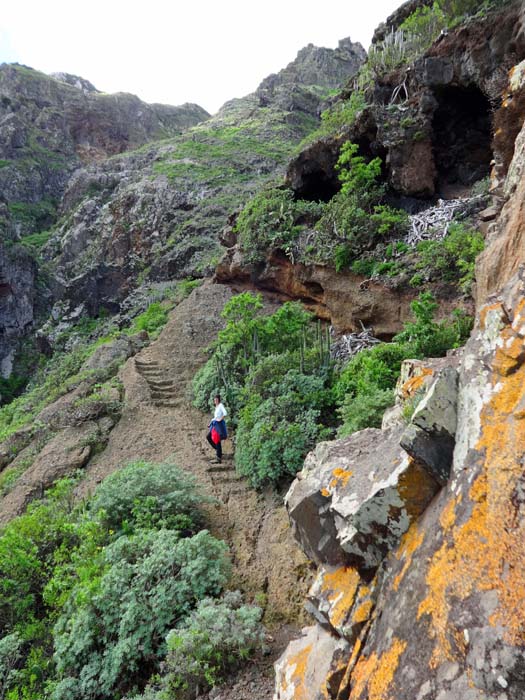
450	596
324	68
50	125
505	250
18	272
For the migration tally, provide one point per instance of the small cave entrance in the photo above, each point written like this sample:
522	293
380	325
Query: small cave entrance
462	139
314	177
318	185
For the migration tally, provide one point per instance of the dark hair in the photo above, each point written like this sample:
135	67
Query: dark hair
217	396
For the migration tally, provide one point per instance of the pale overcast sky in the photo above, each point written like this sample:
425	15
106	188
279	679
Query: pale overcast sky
205	51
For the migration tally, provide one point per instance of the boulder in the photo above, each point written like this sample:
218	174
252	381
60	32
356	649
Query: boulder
341	601
355	497
430	437
312	667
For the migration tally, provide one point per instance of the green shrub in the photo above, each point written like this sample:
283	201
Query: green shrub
365	410
143	494
364	388
454	258
279	426
355	219
429	338
245	340
10	657
271	220
27	549
111	631
152	320
211	642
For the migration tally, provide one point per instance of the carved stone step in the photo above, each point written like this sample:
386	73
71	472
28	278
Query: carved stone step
161	383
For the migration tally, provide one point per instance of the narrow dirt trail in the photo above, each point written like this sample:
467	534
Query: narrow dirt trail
158	423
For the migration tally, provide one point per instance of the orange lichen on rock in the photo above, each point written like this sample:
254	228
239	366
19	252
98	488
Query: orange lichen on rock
510	354
296	680
486	552
340	479
412	385
410	543
486	311
416	488
339	587
373	675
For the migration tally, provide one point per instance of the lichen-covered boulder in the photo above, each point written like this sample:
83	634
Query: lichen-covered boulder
312	666
430	437
341	601
356	497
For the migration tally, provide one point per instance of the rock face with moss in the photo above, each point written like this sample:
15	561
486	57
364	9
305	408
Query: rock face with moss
49	125
156	213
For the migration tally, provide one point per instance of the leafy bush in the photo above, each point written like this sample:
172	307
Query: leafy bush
277	427
273	219
143	494
454	258
364	388
211	642
10	656
355	219
365	410
429	338
152	320
111	629
245	340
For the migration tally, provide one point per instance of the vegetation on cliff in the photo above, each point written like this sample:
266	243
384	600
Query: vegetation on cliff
285	393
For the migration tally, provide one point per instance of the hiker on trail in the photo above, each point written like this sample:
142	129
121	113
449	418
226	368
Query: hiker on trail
217	428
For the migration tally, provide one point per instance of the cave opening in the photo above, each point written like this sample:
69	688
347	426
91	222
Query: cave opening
462	139
318	179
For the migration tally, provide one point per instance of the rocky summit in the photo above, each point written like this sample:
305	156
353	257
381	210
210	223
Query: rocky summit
339	255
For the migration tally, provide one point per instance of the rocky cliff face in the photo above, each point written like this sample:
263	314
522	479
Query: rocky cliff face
417	530
156	213
49	125
432	122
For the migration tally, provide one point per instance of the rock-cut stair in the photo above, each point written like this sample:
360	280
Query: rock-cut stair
162	388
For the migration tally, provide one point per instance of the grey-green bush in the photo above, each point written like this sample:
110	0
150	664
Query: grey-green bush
111	631
213	640
147	494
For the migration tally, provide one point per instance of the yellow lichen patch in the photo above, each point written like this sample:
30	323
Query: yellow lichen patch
487	551
412	540
296	674
487	311
448	516
326	493
372	677
412	385
339	587
509	356
341	477
416	489
363	611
